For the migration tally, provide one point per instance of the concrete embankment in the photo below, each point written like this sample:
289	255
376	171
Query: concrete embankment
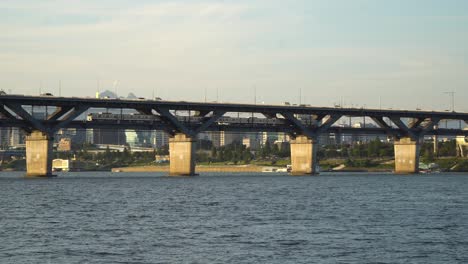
249	168
239	168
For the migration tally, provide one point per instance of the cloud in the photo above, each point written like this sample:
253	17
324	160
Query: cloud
187	46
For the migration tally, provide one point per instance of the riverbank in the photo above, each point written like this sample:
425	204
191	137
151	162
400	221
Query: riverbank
235	168
328	165
201	168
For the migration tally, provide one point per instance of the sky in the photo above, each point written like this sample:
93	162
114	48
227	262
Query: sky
403	54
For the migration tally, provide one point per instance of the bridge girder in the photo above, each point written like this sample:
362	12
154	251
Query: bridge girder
227	107
68	109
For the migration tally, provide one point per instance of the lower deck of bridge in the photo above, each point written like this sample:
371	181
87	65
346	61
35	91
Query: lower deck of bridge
182	155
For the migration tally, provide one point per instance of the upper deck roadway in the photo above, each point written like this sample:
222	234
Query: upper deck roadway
227	107
65	111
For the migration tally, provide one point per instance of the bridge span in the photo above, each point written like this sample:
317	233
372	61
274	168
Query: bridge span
183	121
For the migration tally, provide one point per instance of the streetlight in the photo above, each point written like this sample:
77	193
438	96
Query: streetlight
300	96
452	94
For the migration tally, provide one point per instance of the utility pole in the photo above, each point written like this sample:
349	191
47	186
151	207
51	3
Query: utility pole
452	94
255	100
436	142
255	95
116	82
300	96
98	93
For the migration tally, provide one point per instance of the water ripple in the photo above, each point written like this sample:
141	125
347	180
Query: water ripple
125	218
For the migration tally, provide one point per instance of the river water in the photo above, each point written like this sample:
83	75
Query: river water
256	218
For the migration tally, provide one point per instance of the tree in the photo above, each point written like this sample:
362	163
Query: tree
214	152
373	148
448	148
275	150
164	150
428	155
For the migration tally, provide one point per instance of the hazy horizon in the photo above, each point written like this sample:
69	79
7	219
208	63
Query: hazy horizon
404	54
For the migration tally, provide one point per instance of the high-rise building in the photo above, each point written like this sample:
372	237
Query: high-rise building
145	138
17	136
89	136
223	138
159	138
204	136
269	136
363	138
215	139
131	137
108	136
5	135
284	137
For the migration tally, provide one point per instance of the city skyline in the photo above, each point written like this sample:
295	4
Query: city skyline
360	53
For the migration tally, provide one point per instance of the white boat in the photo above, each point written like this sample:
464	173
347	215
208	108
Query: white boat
274	169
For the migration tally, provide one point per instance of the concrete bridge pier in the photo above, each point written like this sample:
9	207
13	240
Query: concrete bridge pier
38	154
407	155
182	155
304	156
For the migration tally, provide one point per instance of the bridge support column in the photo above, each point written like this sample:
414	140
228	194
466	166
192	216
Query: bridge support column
38	155
181	155
303	156
406	156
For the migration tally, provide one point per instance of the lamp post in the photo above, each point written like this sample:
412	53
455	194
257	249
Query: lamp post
452	95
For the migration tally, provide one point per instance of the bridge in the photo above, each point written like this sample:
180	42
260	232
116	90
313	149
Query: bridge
183	121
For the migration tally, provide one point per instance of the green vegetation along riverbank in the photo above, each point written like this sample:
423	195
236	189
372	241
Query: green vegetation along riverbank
373	156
